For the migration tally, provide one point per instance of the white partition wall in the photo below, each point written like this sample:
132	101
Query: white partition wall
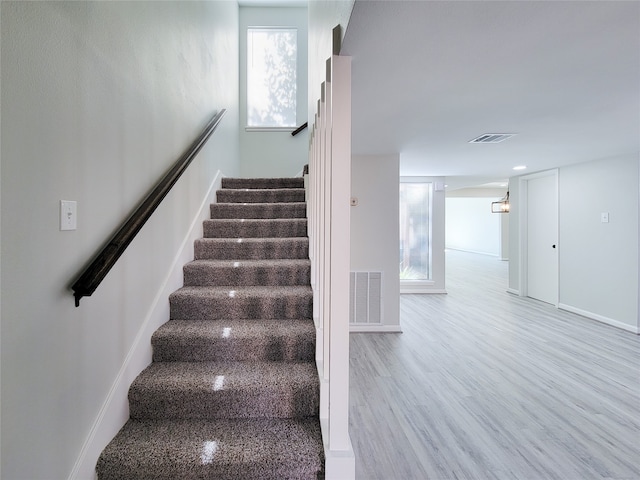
329	188
375	243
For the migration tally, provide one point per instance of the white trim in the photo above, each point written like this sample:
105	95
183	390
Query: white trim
373	328
513	291
115	409
600	318
269	129
419	286
523	183
274	3
271	27
411	289
416	283
329	209
338	464
340	212
523	188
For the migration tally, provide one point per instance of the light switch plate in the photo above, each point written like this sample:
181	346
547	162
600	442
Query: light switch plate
604	217
68	214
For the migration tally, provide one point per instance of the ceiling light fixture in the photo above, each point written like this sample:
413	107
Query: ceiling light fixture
501	206
520	167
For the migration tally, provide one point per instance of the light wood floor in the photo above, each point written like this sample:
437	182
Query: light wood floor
486	385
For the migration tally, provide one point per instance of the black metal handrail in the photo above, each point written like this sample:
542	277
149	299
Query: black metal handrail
299	129
91	277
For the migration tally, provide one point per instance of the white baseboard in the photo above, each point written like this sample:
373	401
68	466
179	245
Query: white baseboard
600	318
115	409
373	328
513	291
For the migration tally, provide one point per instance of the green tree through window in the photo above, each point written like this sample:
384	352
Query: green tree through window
271	77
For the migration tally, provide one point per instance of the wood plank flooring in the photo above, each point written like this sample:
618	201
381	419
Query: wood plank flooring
486	385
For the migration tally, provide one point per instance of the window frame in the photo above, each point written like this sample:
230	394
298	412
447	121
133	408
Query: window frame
270	128
409	283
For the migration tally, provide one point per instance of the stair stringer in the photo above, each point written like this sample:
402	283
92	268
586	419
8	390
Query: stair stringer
114	411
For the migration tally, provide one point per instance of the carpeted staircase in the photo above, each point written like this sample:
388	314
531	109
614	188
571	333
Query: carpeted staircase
233	390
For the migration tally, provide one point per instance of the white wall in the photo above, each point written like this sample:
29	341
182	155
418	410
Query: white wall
438	225
470	225
504	236
598	262
375	245
98	100
274	154
514	237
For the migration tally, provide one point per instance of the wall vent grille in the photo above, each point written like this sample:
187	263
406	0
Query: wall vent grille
365	298
492	138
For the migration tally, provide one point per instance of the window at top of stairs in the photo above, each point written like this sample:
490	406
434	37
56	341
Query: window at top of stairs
271	77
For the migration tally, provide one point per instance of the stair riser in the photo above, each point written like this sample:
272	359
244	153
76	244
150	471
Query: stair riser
261	449
267	402
242	276
234	250
231	340
264	471
293	349
258	210
207	308
261	183
260	196
255	228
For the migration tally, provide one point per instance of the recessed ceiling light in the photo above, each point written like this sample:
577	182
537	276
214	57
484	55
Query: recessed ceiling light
520	167
492	138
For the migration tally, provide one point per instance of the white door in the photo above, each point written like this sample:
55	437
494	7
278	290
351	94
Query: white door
542	239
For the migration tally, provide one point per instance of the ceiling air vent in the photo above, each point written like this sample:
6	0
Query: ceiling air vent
492	138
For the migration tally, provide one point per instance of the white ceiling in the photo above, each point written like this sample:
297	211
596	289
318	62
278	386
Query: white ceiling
428	76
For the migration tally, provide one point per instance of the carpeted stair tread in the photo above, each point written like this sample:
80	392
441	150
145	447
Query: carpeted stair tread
255	228
260	195
262	183
259	210
225	390
257	302
280	340
247	272
224	449
233	390
251	248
